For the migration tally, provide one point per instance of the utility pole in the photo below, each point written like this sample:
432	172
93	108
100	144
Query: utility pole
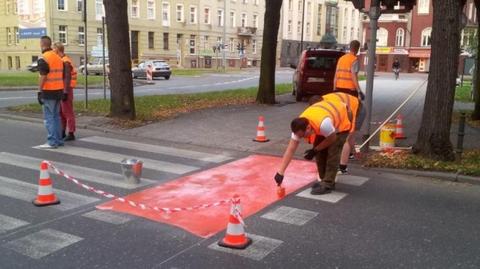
224	60
85	52
103	56
374	15
303	24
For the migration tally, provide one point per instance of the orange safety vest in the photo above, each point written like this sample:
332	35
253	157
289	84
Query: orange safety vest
344	72
350	101
54	81
73	73
335	110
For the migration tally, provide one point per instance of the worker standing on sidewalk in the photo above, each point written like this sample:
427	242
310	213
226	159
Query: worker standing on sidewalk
346	81
51	91
326	125
66	108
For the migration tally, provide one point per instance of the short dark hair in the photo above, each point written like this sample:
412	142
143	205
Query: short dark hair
299	124
47	40
354	46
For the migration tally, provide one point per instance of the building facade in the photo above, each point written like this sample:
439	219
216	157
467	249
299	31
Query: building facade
186	33
407	37
337	17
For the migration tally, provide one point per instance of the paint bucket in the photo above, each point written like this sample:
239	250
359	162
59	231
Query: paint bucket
132	170
387	136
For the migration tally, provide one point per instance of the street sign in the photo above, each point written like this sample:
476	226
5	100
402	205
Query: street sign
32	32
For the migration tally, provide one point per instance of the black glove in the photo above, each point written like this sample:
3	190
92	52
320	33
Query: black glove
65	96
278	179
39	98
362	95
309	154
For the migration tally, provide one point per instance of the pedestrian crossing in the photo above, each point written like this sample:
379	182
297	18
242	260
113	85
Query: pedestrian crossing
43	241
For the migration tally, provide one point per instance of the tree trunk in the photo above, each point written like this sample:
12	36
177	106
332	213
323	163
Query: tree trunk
121	84
433	139
476	89
266	90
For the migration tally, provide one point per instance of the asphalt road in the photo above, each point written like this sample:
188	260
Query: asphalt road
176	84
373	220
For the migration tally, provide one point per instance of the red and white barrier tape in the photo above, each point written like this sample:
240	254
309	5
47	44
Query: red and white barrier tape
140	205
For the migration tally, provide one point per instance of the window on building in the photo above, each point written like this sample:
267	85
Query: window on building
17	35
151	9
17	62
79	5
319	19
99	10
232	19
8	6
243	20
400	37
426	37
423	6
307	28
179	13
165	14
206	15
300	5
331	24
344	34
10	62
81	36
151	40
99	37
231	45
62	5
219	41
254	46
192	44
165	41
220	17
290	5
62	34
205	42
193	14
255	20
289	26
135	8
9	36
309	7
382	37
299	27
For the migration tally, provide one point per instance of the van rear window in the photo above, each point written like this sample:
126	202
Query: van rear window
322	62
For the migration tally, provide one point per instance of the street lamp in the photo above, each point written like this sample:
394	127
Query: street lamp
85	52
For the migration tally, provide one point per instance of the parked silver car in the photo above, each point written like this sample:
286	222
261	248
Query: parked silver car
160	69
94	67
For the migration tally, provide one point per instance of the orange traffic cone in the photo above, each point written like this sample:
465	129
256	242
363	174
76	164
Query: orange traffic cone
399	128
235	236
261	131
45	191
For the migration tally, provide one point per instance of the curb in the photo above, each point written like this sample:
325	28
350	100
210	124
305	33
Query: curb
452	177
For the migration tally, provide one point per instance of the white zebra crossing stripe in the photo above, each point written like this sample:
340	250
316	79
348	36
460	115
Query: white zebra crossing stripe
84	173
161	166
23	191
332	197
189	154
109	216
290	215
351	180
8	223
42	243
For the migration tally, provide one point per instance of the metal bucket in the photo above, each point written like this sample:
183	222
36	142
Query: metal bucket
387	136
132	170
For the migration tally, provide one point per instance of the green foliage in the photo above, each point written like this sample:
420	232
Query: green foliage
464	93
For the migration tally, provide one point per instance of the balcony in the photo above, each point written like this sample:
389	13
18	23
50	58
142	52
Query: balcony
246	31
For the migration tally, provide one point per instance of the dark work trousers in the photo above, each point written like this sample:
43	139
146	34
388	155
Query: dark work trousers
329	159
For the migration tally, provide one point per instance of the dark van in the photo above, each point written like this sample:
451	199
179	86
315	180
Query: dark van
315	72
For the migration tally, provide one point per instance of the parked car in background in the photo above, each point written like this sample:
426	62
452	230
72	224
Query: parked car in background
33	67
160	69
94	67
315	72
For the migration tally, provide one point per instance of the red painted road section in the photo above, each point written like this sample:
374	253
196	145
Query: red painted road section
251	178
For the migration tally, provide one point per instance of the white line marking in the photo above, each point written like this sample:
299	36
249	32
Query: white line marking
290	215
162	166
259	249
207	157
42	243
84	173
23	191
351	180
332	197
109	216
8	223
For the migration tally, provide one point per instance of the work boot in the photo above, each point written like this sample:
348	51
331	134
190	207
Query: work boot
321	189
69	137
63	134
343	171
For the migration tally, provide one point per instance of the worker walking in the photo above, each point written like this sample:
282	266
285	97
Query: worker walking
346	81
326	125
51	91
66	107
